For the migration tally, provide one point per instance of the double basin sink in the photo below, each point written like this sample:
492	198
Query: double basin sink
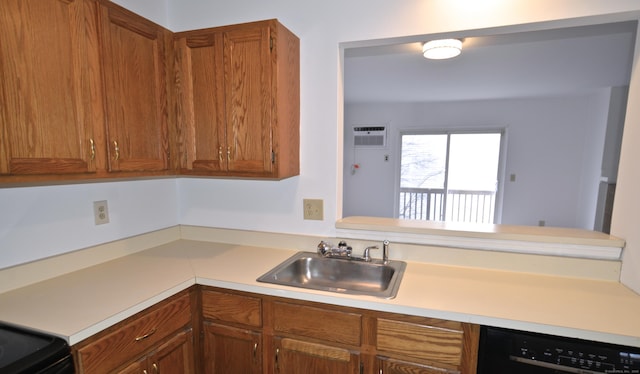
314	271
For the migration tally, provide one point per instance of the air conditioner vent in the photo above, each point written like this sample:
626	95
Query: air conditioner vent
369	136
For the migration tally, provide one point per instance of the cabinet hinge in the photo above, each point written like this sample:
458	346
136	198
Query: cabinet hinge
273	157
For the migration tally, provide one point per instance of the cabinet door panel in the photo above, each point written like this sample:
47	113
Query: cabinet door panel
175	356
136	91
45	82
296	356
232	350
201	101
249	99
391	366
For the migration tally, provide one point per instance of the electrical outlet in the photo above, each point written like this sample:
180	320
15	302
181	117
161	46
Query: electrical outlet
101	212
313	209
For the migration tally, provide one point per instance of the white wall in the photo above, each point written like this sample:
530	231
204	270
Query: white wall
38	222
554	149
321	26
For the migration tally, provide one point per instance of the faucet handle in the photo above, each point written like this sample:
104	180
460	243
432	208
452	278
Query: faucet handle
324	247
366	256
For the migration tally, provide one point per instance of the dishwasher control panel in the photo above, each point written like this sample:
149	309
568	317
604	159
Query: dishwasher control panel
505	351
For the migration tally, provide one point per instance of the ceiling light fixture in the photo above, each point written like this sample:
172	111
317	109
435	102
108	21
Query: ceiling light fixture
442	49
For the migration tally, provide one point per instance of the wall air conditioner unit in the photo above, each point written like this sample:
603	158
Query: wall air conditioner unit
369	136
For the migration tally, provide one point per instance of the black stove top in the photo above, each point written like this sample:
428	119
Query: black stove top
25	351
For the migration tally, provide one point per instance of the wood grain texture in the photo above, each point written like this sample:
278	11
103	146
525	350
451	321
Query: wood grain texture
133	338
432	343
136	99
233	308
46	78
231	350
238	100
297	356
328	325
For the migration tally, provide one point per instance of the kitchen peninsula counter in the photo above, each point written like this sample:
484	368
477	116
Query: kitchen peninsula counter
79	304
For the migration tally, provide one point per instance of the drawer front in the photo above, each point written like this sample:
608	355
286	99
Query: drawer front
233	308
323	324
135	337
442	344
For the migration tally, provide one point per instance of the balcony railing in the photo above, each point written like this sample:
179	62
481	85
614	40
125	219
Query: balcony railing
434	204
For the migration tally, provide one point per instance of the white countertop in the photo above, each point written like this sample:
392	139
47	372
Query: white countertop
80	304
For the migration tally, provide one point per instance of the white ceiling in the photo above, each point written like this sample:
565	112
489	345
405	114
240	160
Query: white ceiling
548	62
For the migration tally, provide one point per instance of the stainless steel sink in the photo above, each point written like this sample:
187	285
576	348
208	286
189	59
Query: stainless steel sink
311	270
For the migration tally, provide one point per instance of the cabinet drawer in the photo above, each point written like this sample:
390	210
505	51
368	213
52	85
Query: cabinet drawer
440	342
324	324
233	308
134	337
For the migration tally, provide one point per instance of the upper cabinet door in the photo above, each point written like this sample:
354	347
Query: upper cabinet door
50	101
136	101
247	68
200	93
238	100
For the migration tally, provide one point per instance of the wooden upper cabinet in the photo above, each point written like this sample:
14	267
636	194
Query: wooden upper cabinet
238	100
134	55
50	117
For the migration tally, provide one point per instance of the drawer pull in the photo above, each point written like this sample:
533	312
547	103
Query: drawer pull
143	337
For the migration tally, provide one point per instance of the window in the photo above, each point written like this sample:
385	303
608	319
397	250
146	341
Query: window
451	176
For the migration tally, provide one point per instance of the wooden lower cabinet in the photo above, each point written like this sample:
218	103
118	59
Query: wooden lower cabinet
294	356
156	340
231	350
296	336
386	365
218	331
174	356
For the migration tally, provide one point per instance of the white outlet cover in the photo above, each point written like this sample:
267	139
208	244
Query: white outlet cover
101	212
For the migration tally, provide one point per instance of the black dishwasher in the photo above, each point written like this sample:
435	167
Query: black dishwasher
504	351
24	351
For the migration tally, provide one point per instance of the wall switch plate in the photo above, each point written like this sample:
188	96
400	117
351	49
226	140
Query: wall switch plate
313	209
101	212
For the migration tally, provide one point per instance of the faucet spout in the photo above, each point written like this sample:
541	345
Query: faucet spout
385	252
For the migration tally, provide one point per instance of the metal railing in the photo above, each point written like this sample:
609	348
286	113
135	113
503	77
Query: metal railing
436	204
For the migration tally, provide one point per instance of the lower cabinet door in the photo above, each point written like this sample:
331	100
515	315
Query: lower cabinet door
392	366
231	350
295	357
174	356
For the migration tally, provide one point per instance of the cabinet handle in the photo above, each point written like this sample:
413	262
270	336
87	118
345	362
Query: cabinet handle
117	150
220	154
276	361
255	350
155	368
229	153
145	371
93	149
143	337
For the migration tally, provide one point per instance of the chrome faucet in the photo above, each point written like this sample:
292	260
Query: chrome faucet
344	251
385	252
366	256
326	249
